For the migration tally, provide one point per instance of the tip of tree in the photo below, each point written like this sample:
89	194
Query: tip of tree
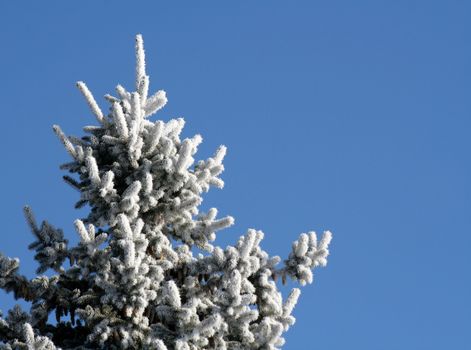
144	189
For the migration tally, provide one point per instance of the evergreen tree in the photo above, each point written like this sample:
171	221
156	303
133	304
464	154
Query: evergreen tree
135	279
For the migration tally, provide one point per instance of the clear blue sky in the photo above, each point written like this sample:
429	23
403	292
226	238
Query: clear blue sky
352	116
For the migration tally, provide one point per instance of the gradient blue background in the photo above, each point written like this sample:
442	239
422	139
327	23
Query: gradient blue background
352	116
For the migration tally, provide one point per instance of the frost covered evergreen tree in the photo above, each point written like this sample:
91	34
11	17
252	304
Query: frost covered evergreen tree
135	279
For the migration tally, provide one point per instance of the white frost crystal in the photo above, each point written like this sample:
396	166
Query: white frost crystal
134	279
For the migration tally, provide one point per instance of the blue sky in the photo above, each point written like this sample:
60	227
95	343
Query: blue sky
352	116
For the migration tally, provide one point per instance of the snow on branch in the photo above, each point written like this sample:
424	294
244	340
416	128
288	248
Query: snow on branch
147	272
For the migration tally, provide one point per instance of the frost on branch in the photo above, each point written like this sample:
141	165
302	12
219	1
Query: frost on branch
134	280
